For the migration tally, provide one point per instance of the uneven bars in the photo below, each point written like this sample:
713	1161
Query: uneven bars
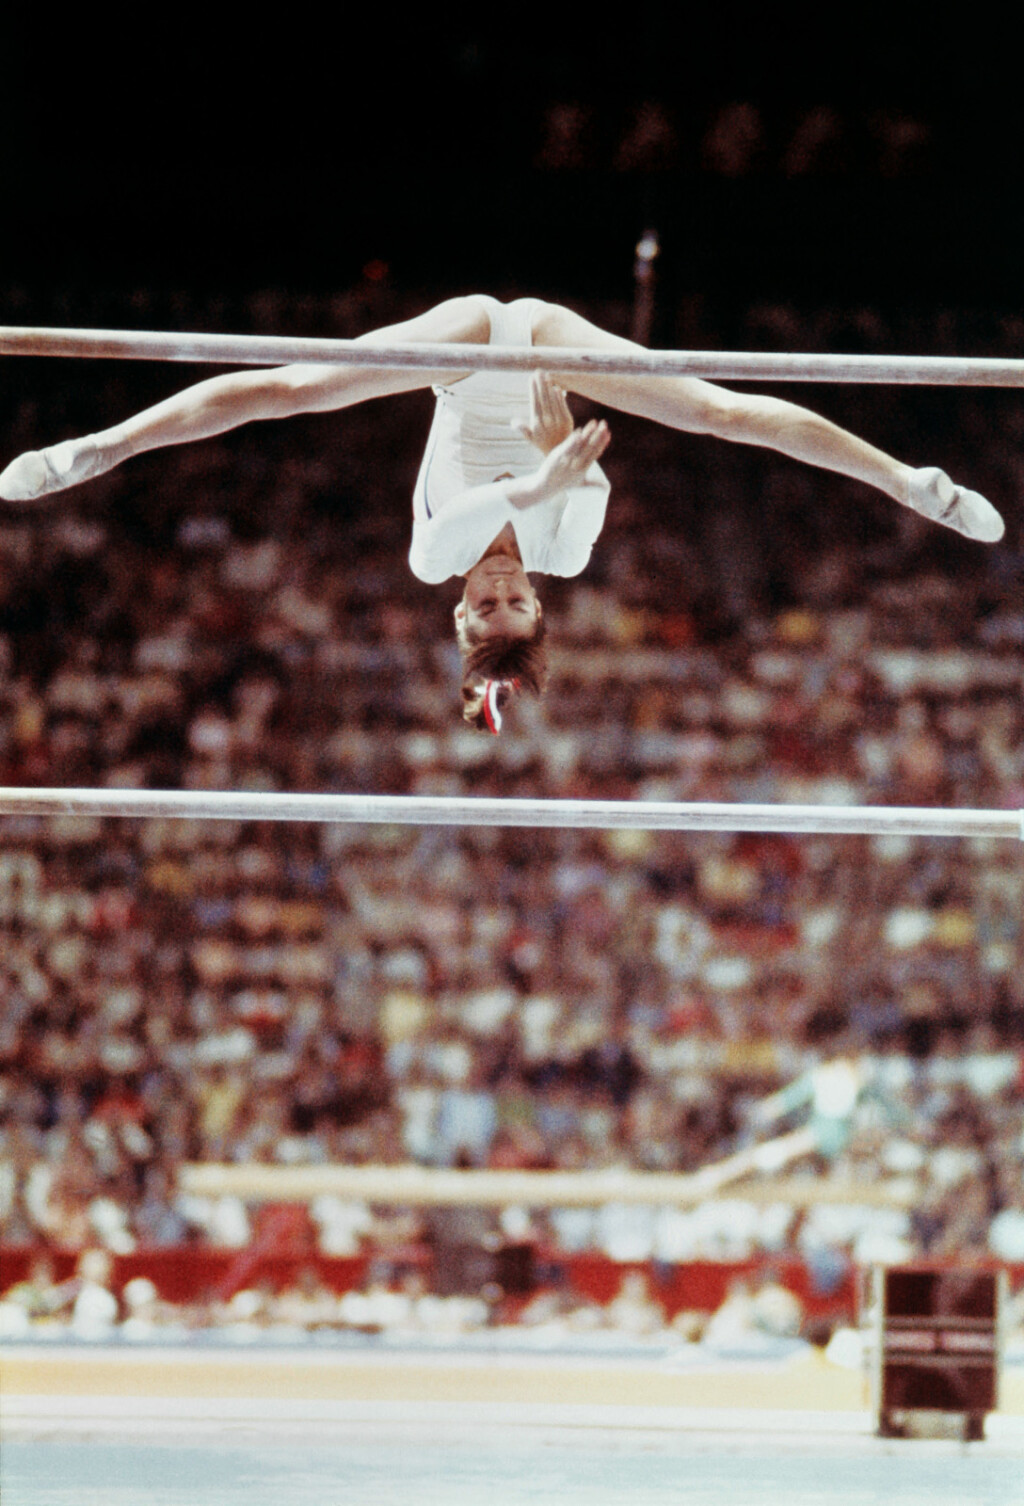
736	366
451	810
411	1186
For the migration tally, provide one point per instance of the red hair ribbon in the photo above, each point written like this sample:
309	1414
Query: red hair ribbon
492	711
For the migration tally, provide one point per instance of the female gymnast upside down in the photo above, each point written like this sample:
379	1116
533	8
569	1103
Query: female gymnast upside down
508	484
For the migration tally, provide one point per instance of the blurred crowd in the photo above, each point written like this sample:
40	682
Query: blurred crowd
91	1304
240	615
736	140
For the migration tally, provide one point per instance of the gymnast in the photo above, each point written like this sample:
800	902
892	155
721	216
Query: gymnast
508	484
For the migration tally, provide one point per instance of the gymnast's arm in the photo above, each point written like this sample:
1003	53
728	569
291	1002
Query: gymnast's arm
456	537
579	526
453	539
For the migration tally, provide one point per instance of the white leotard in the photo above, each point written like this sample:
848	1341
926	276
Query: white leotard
459	503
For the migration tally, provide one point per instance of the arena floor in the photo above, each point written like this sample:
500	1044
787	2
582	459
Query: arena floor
263	1427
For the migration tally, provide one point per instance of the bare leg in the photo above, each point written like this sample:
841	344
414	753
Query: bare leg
745	418
227	402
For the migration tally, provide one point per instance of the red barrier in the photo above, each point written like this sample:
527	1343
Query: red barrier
195	1275
192	1274
703	1285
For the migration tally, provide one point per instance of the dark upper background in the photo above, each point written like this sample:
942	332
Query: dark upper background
839	160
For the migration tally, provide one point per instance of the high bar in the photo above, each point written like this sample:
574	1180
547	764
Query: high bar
473	811
736	366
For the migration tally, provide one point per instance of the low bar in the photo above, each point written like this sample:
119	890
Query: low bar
451	810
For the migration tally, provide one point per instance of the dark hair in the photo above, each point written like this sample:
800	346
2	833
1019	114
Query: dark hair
522	660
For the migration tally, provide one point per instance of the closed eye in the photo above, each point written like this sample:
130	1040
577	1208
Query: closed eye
489	603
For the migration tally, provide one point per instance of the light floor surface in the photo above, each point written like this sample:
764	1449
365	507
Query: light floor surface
267	1427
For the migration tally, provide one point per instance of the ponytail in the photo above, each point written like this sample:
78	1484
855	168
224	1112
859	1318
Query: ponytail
495	670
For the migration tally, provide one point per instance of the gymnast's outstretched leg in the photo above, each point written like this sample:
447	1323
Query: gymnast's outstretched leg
227	402
703	408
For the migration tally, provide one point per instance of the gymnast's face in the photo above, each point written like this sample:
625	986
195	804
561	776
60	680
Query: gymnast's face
498	601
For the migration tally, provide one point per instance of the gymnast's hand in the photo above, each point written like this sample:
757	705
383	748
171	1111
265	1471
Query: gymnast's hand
568	464
550	420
